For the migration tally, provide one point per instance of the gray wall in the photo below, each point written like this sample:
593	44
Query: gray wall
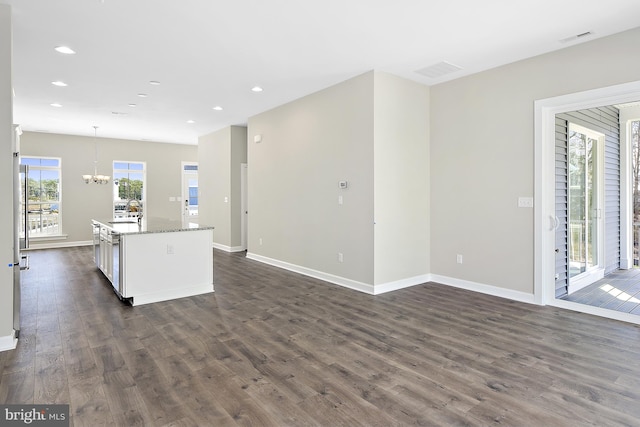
401	179
307	147
220	154
81	202
371	131
6	175
482	156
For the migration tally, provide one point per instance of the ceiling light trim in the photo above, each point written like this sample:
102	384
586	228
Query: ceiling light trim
66	50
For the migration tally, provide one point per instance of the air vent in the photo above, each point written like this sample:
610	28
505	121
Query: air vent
577	37
438	70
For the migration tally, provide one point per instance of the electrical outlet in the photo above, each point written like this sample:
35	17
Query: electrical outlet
340	257
525	202
170	250
459	259
260	241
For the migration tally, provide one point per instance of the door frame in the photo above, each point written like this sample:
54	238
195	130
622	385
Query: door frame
244	206
545	221
183	186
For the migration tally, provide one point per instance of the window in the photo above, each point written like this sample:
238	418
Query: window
128	191
41	199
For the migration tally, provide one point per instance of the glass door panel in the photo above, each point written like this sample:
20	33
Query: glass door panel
584	200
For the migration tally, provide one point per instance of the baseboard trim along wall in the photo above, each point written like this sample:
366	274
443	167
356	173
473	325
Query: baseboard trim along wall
484	289
337	280
55	245
8	342
401	284
228	248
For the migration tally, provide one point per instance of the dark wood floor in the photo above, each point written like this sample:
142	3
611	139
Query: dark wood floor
619	291
271	347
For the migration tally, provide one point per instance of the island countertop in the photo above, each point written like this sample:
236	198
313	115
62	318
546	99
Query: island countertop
147	225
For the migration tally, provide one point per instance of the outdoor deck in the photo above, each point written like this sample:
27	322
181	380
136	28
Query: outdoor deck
619	291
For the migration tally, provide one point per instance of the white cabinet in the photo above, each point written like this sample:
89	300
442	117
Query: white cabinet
147	264
104	251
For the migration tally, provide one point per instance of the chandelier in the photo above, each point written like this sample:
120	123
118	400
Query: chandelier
95	178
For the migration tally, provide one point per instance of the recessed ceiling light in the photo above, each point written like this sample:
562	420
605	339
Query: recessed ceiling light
190	122
132	105
142	95
256	89
65	49
59	83
55	104
154	82
217	108
118	113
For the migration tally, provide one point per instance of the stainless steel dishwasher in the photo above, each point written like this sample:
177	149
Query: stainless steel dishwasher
115	263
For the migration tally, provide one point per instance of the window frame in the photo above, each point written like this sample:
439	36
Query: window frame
115	199
58	202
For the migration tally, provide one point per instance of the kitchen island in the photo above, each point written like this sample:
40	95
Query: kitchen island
154	259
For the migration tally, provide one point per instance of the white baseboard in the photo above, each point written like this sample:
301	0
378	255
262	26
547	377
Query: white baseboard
401	284
342	281
55	245
8	342
228	248
484	289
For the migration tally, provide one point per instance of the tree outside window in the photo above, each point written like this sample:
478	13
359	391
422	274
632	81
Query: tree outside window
128	194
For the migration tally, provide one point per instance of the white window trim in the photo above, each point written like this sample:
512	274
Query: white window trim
145	188
59	235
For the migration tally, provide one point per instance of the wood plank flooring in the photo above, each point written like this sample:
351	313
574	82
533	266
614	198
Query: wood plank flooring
619	291
274	348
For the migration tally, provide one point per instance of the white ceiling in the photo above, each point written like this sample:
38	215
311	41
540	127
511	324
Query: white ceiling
212	52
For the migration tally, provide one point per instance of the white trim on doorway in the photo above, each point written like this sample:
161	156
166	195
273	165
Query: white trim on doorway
544	188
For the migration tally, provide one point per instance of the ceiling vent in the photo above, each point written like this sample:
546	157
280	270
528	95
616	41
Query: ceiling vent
439	69
577	37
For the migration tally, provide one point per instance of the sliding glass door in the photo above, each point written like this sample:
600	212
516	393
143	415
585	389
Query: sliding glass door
585	206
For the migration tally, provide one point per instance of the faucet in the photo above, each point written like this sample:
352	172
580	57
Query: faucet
138	209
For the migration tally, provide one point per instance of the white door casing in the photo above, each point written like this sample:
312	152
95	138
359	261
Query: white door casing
545	222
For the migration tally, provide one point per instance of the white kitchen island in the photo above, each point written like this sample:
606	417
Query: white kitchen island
154	260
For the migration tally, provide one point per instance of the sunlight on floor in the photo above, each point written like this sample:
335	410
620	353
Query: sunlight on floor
611	290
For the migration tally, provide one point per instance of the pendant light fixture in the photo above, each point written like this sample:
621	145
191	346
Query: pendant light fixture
95	178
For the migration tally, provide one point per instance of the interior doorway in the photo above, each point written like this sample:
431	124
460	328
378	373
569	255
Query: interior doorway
190	193
244	206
